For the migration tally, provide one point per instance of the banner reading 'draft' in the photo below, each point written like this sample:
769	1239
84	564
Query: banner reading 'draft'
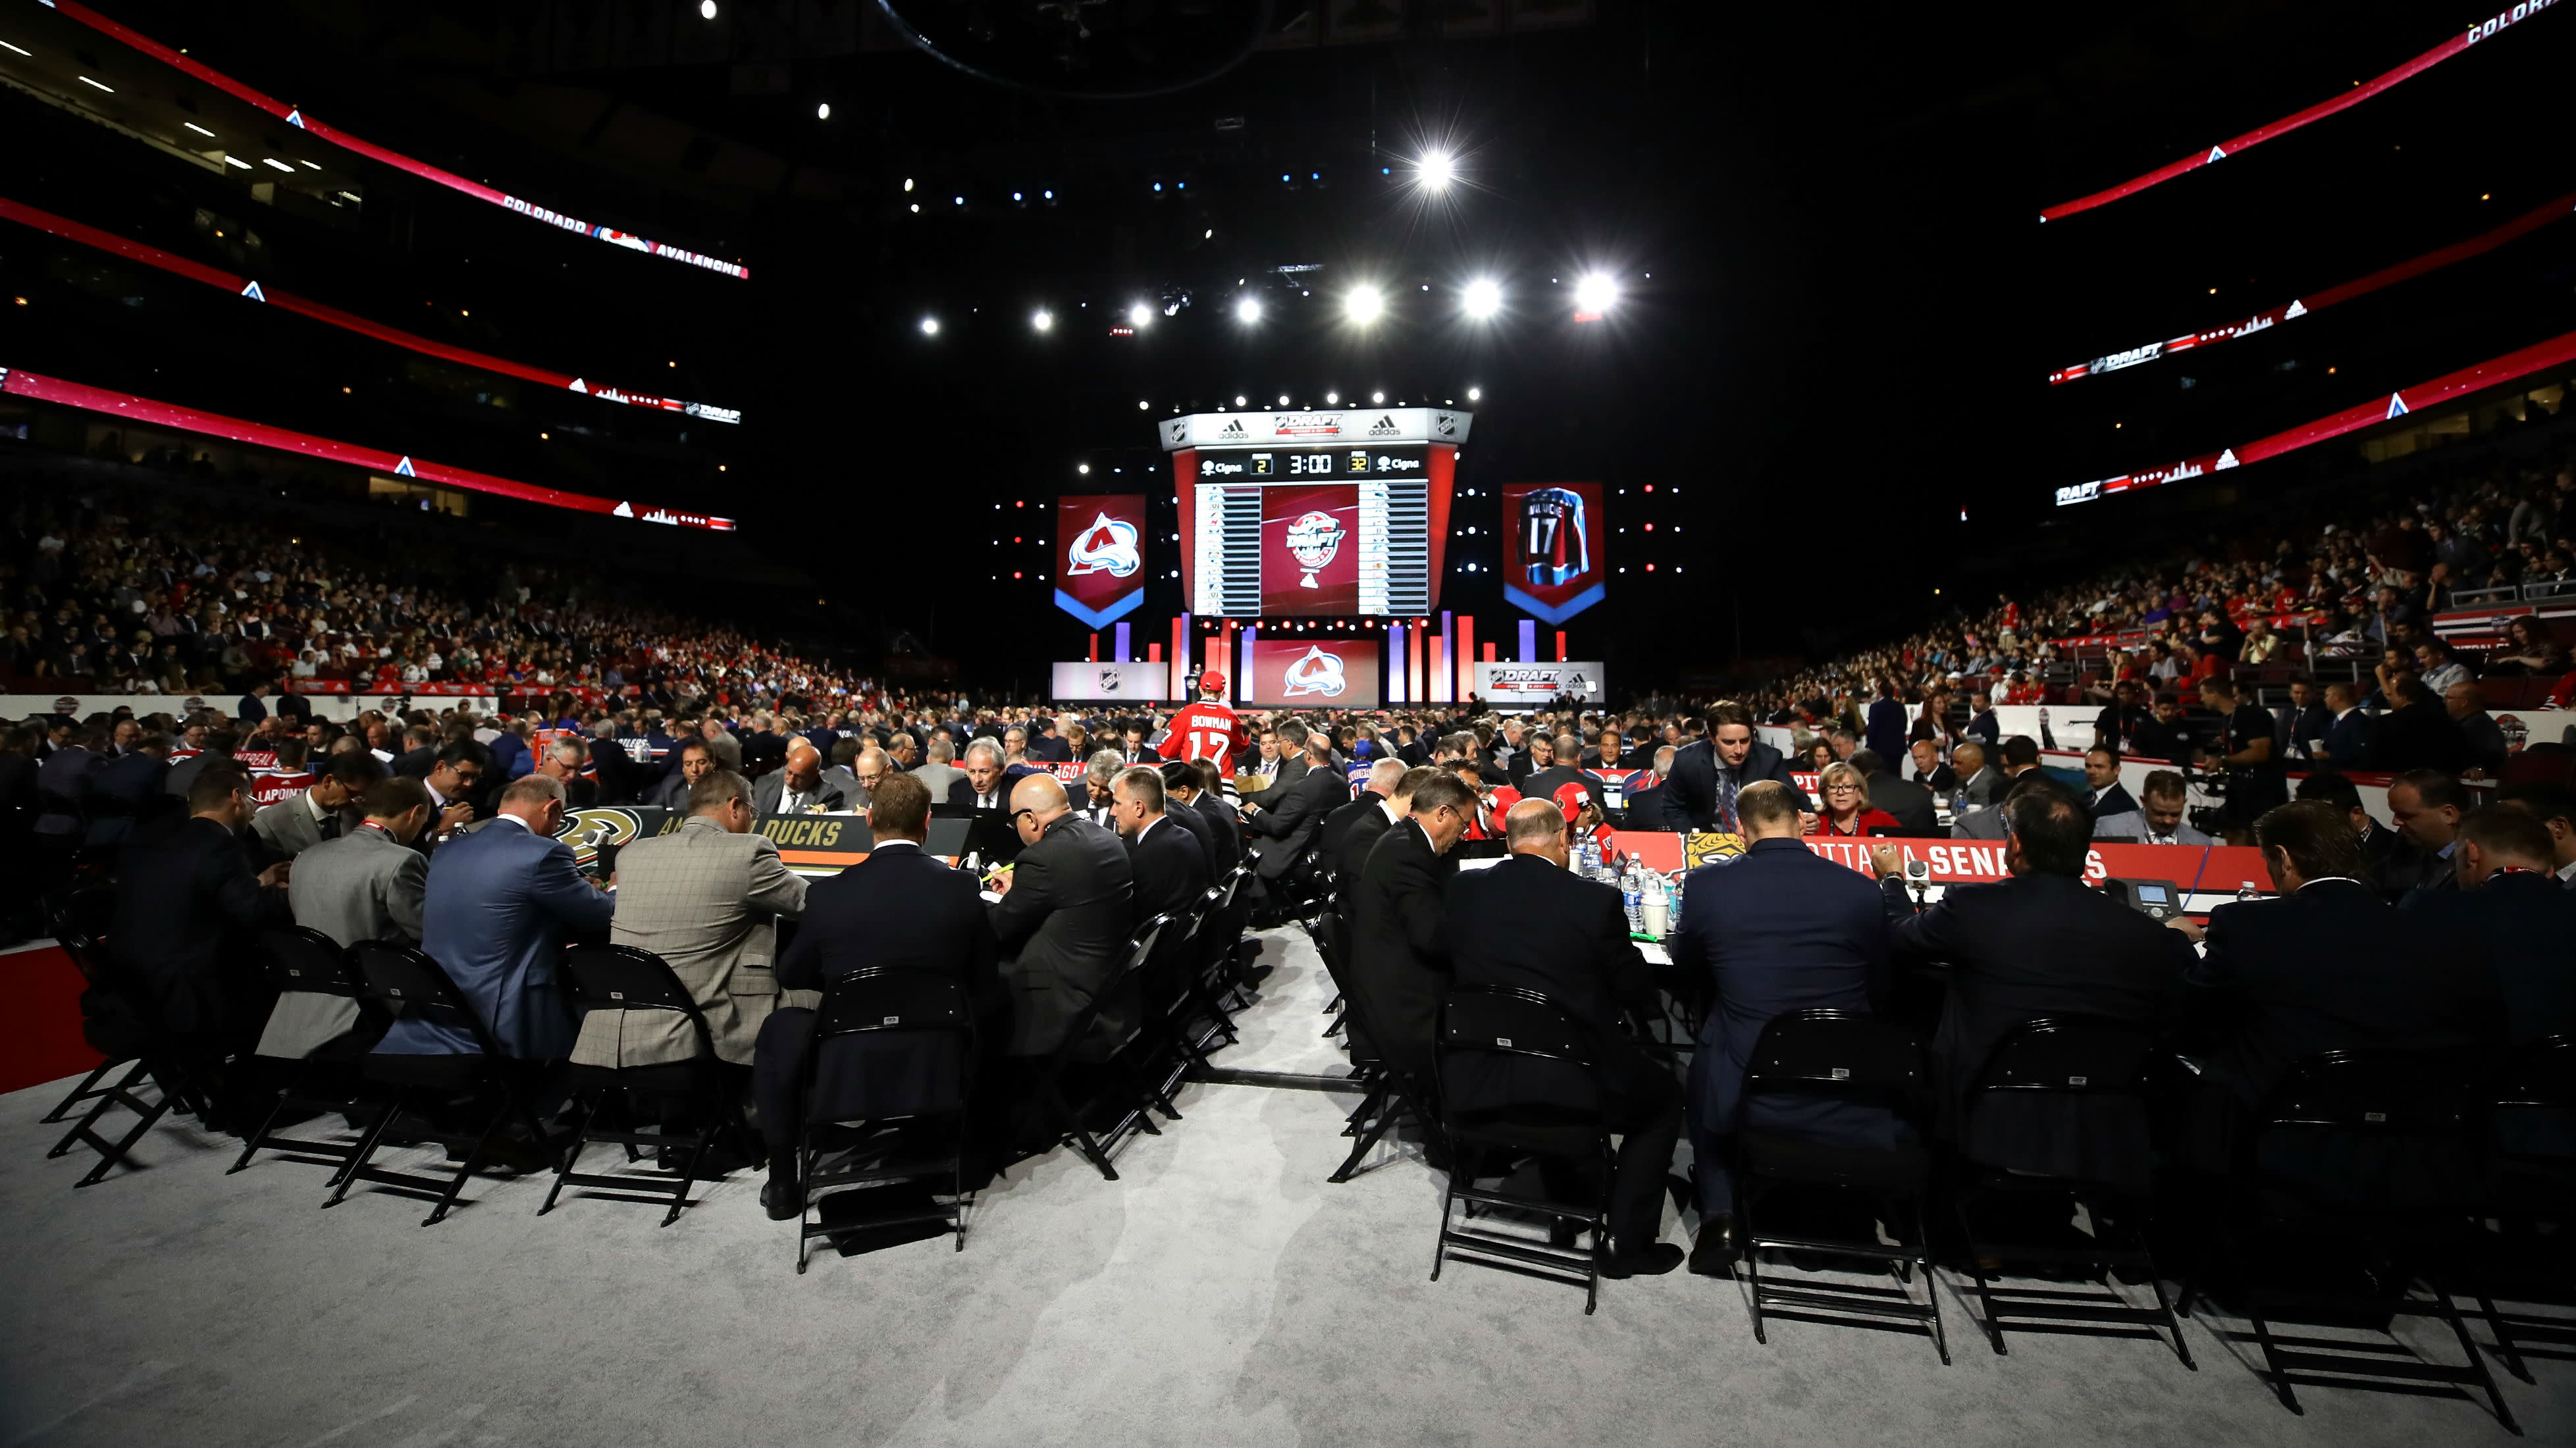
1100	556
1555	549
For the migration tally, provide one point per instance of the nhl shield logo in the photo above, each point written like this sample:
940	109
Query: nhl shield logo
1313	540
1107	546
1109	681
1317	672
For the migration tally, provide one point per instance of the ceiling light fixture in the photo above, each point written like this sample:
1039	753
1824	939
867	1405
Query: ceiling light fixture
1140	316
1043	320
1483	298
200	130
1436	170
102	85
1364	304
930	326
1247	310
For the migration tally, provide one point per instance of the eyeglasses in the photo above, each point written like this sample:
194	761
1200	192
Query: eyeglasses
1842	789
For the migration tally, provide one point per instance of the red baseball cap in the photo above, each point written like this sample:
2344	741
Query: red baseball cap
1571	798
1212	680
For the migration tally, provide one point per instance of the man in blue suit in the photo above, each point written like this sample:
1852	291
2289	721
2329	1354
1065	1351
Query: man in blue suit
498	902
1777	929
1885	731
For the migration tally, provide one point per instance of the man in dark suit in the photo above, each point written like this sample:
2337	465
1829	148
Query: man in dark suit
1178	809
1132	747
1708	774
1544	783
2380	846
2038	944
128	789
1911	803
2105	796
898	909
1048	746
1779	928
982	791
1351	831
1169	866
2426	805
1983	726
1067	907
2511	904
1291	738
1929	771
2301	724
1399	953
2327	966
1537	752
1292	819
1194	782
2418	734
1531	923
181	938
1883	728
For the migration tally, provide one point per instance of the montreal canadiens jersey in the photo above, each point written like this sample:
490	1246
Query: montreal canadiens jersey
1206	731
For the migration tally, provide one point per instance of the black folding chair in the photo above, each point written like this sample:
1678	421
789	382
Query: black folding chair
406	982
126	1040
1058	1110
876	1137
1502	1023
1865	1059
2371	1154
1387	1097
302	961
2109	1067
624	978
80	928
2533	1125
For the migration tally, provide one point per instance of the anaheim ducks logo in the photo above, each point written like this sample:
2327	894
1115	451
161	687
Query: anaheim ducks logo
1107	546
585	830
1313	540
1317	673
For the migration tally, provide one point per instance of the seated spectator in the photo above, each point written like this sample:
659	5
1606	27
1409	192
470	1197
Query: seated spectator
2327	966
127	789
2482	737
493	914
1099	801
2105	796
982	791
2439	668
938	769
2039	944
898	909
1779	928
1166	863
1063	920
2426	805
331	808
705	897
182	937
1929	771
2511	904
1194	782
1847	811
455	771
2346	742
796	787
2554	805
364	884
1289	818
2379	845
563	762
697	760
2163	801
1532	924
1399	955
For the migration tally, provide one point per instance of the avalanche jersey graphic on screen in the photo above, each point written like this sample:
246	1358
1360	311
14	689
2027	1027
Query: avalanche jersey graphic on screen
1555	545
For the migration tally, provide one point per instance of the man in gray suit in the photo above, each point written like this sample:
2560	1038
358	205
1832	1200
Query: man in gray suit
2159	817
940	770
861	769
1979	787
705	898
365	884
798	788
331	809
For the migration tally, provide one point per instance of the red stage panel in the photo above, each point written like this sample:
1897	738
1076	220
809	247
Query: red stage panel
1310	555
1317	673
1100	555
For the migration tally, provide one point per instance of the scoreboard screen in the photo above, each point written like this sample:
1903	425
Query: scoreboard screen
1312	531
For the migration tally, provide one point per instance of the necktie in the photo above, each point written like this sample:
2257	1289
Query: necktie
1726	802
331	825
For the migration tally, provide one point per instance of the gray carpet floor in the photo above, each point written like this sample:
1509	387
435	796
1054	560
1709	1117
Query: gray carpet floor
1219	1292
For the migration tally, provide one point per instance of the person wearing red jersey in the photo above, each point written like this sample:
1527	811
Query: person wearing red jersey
1207	729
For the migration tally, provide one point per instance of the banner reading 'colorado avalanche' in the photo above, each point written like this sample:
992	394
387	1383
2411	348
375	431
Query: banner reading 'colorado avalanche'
1100	556
1554	553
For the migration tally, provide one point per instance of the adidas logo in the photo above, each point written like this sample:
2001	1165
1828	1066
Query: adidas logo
1233	428
1384	426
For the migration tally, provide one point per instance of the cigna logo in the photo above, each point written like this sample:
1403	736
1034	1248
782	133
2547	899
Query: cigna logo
1317	672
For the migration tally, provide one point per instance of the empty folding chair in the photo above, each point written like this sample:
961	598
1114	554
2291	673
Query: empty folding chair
625	978
401	980
80	928
2533	1120
2362	1164
137	1051
323	1023
2059	1118
1064	1114
1870	1060
887	1087
1504	1022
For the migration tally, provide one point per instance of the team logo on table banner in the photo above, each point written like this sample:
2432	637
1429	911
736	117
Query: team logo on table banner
1553	566
586	830
1317	672
1101	540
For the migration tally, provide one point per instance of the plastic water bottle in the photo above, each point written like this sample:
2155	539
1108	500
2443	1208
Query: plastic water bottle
1635	900
2247	891
1588	858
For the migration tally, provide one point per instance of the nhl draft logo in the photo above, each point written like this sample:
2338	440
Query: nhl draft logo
2516	733
1107	546
1314	540
1555	545
1317	672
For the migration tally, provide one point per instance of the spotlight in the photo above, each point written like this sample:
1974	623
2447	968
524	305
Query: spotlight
1238	399
1595	293
1475	393
1483	298
1083	468
1247	310
823	112
930	326
1140	316
1436	170
706	9
1142	404
1283	399
907	183
1377	397
1332	399
1043	320
1364	304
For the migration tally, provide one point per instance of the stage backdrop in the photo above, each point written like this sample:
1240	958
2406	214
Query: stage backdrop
1313	673
1310	549
1531	686
1100	555
1140	683
1555	550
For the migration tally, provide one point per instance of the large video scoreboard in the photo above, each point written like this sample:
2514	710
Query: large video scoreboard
1317	514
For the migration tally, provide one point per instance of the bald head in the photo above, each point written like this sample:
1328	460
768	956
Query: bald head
1042	795
1967	759
804	765
1536	827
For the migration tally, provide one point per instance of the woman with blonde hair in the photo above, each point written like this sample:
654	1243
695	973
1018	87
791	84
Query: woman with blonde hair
1847	809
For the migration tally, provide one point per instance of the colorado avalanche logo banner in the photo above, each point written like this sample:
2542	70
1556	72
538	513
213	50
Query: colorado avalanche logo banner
1100	556
1310	553
1553	564
1309	673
